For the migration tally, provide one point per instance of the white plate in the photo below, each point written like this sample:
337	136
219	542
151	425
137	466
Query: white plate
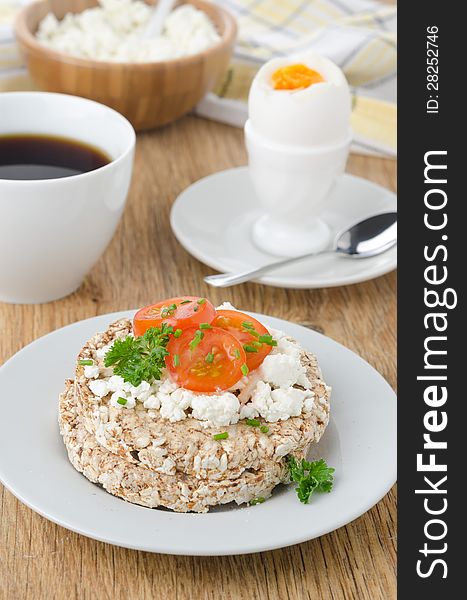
360	443
212	220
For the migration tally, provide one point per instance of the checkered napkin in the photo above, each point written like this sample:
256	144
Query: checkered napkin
358	35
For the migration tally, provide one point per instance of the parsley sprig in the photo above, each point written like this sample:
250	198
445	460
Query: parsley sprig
310	476
138	359
258	500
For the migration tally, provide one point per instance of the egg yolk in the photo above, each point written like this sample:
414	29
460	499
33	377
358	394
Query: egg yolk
295	77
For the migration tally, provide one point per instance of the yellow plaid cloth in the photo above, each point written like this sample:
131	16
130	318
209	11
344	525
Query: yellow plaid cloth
358	35
13	75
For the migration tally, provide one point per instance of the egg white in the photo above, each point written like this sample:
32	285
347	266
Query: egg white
316	115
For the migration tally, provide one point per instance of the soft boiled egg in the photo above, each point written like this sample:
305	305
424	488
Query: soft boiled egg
301	100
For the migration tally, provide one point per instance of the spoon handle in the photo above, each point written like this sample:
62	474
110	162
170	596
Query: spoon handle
228	279
158	17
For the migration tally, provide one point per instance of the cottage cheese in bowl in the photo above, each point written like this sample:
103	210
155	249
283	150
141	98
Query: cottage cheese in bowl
114	31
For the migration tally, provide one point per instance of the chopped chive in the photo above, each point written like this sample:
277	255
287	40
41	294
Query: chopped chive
196	340
250	328
205	326
176	360
221	436
253	422
195	308
178	333
168	310
249	348
186	302
264	429
122	401
259	500
237	353
86	362
201	300
245	370
209	357
267	339
256	344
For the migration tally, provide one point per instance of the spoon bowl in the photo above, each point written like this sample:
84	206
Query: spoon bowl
366	238
369	237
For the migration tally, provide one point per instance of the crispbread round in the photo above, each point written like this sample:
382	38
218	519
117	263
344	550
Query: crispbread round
150	488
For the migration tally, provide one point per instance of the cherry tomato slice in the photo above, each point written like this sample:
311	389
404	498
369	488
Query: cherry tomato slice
205	360
232	321
183	312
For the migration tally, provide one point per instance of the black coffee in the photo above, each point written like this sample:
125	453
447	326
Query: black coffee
27	156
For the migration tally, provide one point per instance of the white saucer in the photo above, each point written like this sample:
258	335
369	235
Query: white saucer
212	220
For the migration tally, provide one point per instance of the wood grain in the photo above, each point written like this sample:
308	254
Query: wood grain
148	94
39	560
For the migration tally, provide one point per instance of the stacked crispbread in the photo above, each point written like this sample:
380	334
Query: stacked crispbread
137	455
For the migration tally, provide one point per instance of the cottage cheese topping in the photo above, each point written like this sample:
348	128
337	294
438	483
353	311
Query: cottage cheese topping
221	410
99	388
277	390
173	406
283	370
114	32
91	371
276	404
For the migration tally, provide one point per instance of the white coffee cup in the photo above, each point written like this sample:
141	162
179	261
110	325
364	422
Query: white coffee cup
53	231
292	185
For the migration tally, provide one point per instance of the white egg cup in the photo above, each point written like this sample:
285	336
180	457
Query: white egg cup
292	184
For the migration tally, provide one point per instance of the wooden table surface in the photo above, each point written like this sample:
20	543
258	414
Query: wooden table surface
142	264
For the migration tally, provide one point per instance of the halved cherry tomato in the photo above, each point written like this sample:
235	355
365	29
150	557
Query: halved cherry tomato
183	312
206	360
249	334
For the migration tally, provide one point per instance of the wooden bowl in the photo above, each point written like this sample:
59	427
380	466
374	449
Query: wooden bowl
148	94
